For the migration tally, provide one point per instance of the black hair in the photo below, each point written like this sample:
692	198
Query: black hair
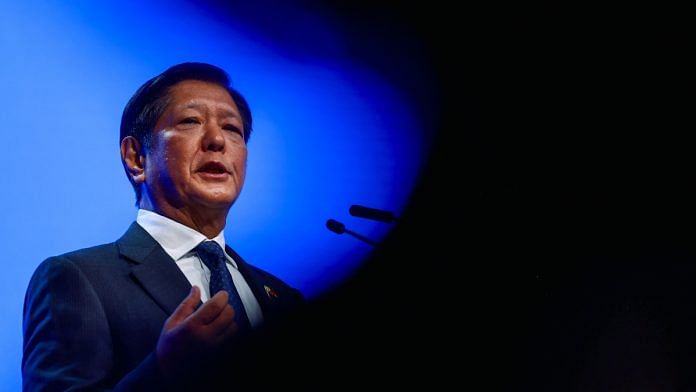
149	102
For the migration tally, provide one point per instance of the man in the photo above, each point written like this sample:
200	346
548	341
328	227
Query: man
155	309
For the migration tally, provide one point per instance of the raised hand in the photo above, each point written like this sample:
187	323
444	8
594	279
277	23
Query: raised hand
191	335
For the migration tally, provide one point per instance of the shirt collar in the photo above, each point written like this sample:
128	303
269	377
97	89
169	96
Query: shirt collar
176	239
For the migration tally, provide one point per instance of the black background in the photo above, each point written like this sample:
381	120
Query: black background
548	245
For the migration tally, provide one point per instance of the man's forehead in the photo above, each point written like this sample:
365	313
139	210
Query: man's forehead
192	89
221	108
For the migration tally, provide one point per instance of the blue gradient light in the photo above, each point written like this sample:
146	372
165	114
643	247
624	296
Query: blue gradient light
328	133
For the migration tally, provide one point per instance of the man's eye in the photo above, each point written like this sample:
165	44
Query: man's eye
189	120
232	128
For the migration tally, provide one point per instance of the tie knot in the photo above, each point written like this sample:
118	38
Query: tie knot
211	254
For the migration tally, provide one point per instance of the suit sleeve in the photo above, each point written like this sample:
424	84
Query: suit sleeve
67	339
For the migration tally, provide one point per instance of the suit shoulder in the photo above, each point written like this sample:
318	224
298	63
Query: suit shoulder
68	270
89	255
85	260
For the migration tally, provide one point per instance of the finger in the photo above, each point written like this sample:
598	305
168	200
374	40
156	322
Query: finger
187	306
225	326
229	331
221	322
211	308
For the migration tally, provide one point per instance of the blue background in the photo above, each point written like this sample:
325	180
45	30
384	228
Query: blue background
330	130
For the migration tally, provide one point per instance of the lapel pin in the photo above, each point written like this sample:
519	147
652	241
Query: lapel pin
270	292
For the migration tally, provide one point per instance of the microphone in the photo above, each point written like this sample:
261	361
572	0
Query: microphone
339	228
336	226
372	213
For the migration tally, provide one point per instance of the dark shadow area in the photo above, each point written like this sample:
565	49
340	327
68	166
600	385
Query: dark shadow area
549	245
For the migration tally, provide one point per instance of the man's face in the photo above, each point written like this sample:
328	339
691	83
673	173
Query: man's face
197	155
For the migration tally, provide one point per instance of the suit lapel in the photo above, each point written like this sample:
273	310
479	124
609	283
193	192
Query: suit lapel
157	273
254	280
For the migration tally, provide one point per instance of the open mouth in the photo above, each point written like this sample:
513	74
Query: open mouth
213	168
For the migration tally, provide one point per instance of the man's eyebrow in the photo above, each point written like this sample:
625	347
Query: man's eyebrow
228	113
222	111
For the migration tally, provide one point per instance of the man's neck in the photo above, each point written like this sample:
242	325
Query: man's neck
207	221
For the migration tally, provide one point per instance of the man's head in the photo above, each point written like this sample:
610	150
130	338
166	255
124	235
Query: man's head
183	139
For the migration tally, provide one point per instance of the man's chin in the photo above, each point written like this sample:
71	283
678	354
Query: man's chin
215	201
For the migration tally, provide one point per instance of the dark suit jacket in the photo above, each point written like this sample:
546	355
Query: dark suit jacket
92	317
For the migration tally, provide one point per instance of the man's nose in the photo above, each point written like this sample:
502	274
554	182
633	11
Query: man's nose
214	138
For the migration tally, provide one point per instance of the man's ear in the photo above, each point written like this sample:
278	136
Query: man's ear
133	158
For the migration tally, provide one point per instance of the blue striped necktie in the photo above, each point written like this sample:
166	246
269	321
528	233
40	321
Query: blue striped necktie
214	258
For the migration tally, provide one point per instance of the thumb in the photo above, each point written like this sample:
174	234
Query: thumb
186	307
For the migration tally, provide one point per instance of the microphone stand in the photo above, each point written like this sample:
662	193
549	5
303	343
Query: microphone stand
339	228
361	237
361	212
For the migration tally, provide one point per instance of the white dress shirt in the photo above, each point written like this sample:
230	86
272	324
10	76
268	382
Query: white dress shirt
178	241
